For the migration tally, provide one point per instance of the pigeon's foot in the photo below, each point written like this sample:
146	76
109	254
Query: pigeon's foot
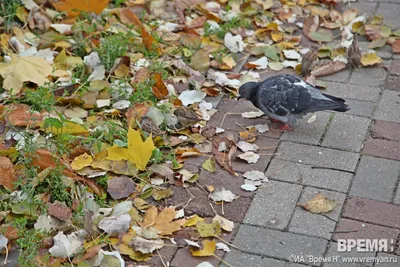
285	127
274	121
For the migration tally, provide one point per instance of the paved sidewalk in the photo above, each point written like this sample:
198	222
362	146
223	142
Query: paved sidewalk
351	157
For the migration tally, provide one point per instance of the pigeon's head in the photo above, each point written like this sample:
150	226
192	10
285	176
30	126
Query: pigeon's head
248	90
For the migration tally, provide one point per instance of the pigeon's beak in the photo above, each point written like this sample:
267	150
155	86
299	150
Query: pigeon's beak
239	97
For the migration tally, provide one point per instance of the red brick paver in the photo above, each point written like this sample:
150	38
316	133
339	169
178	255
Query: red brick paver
382	148
386	130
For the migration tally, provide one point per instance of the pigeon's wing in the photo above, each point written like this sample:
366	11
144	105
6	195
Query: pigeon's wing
284	95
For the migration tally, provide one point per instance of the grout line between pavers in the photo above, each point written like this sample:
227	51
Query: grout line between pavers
396	187
372	223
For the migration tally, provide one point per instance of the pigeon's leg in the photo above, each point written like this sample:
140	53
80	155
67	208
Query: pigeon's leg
285	127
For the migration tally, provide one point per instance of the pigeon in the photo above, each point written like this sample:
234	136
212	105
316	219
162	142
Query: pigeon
286	98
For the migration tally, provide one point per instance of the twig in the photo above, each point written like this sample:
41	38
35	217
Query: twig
161	259
226	242
224	262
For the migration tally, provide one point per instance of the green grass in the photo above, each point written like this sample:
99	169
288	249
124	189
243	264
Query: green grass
225	27
42	98
8	9
111	48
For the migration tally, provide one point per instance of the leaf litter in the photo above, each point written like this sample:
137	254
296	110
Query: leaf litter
99	115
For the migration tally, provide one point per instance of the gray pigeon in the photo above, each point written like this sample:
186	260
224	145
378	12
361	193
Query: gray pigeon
286	98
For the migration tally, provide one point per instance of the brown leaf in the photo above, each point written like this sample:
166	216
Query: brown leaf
128	16
7	176
123	69
21	116
224	159
249	135
319	204
161	221
310	25
60	211
136	112
182	5
211	91
308	60
120	187
372	32
328	68
160	89
396	46
149	41
141	75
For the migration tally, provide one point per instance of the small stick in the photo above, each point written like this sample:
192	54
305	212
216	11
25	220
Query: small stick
224	262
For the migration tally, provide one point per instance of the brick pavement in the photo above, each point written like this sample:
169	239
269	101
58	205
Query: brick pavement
353	158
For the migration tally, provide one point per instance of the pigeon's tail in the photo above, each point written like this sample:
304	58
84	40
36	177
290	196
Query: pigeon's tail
342	108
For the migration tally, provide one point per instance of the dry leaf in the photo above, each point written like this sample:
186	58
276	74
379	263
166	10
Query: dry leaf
24	69
370	59
250	157
74	7
161	221
318	204
81	162
208	249
7	177
328	68
222	195
60	211
224	159
209	165
120	187
138	152
21	116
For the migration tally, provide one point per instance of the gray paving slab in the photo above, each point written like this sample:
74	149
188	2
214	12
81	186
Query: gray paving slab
310	192
353	91
304	222
368	76
360	108
341	76
397	196
339	258
277	244
307	175
273	205
240	259
317	156
389	107
388	260
308	133
368	7
376	178
346	132
390	13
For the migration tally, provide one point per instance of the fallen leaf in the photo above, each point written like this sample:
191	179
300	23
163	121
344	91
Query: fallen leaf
65	246
138	152
64	62
208	249
396	46
159	194
222	195
224	159
261	63
60	211
226	224
115	225
319	204
262	128
189	97
250	157
24	69
161	221
328	68
159	89
200	61
249	135
146	246
74	7
205	229
120	187
370	59
255	176
209	165
252	114
81	162
234	43
8	177
248	187
245	146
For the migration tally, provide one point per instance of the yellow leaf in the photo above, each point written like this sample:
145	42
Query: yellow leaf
193	221
162	221
135	255
74	7
22	14
24	69
209	165
208	249
277	36
370	59
64	62
81	162
69	127
138	152
318	204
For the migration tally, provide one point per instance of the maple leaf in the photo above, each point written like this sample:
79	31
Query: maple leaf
24	69
161	221
8	177
74	7
138	152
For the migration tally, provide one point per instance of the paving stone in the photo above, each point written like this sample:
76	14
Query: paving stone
353	91
375	178
240	259
389	107
390	13
372	211
392	83
310	192
341	76
386	130
304	222
364	7
289	264
382	148
389	260
214	100
307	175
334	254
346	132
368	76
308	133
167	253
397	196
317	156
394	68
267	149
350	229
360	108
273	205
277	244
